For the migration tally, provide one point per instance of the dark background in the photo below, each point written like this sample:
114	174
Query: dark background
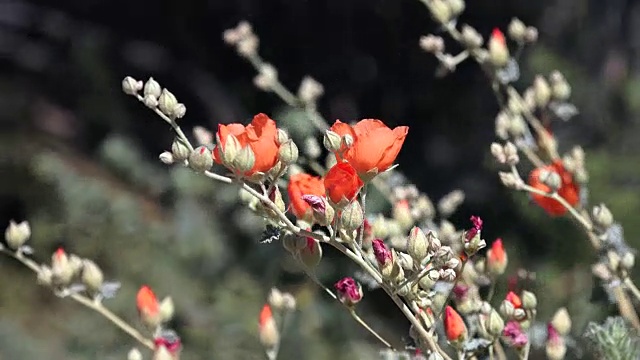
78	157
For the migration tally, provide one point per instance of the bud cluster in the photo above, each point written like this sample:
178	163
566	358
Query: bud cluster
243	39
154	96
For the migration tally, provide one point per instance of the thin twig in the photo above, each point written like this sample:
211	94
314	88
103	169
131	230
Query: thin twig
88	302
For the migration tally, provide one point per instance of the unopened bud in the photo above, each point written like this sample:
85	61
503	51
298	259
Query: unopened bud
61	269
511	153
440	11
471	38
556	350
497	151
417	244
179	111
561	321
628	260
517	30
167	103
92	276
281	137
495	323
288	152
134	354
293	243
324	217
529	300
152	89
502	125
131	86
602	216
531	35
245	159
432	44
150	101
541	91
275	299
519	314
229	151
267	329
507	309
166	158
311	254
310	90
508	180
179	150
288	302
332	141
162	353
200	159
347	141
352	217
456	7
613	260
17	234
551	179
166	309
498	50
517	126
560	88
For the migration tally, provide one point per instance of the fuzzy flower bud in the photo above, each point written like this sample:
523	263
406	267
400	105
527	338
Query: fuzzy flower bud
288	302
17	234
179	150
496	258
134	354
148	307
167	103
311	254
332	141
352	216
541	91
560	88
62	270
456	7
244	160
417	244
470	37
288	152
201	159
131	86
152	89
267	328
555	346
310	90
275	299
498	50
432	44
497	151
602	216
507	309
561	321
166	158
529	300
495	323
166	309
323	212
517	30
92	276
628	260
511	153
454	327
349	291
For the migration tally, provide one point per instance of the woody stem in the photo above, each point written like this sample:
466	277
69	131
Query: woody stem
88	302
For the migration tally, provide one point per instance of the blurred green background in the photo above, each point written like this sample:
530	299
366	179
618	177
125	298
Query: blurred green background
78	158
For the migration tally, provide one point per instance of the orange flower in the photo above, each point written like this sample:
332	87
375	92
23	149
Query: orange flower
303	184
454	326
260	135
514	299
265	315
568	189
375	146
148	306
342	184
497	258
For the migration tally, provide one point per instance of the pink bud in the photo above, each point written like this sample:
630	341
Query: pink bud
349	291
381	252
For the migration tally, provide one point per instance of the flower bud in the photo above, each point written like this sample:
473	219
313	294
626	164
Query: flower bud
556	350
541	91
519	314
134	354
497	259
497	151
529	300
17	234
179	150
131	86
276	197
281	136
179	111
498	50
602	216
324	215
166	309
45	275
245	159
352	217
61	269
92	276
288	152
517	30
167	102
495	323
152	89
628	260
417	244
507	309
456	7
311	254
560	88
162	353
293	243
470	37
200	159
288	302
310	90
349	291
332	141
150	101
517	126
229	151
454	327
275	299
267	329
440	11
551	179
531	35
432	44
511	153
613	260
401	213
561	321
166	158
